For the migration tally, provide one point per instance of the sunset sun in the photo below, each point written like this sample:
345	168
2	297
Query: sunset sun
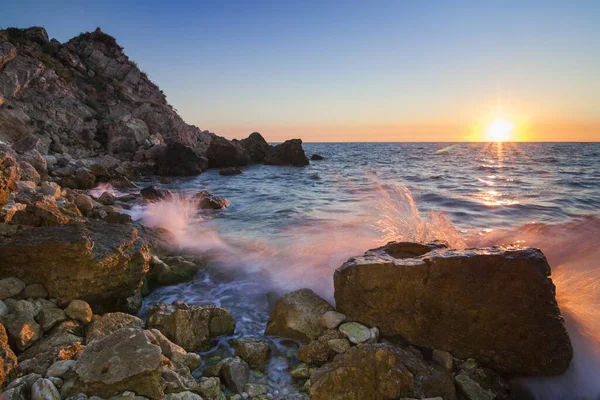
499	130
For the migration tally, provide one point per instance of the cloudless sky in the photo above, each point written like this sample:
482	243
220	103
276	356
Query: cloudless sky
334	70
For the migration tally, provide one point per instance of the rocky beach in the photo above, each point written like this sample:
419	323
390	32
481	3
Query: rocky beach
86	311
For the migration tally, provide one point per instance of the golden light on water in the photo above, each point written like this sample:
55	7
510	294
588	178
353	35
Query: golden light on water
500	130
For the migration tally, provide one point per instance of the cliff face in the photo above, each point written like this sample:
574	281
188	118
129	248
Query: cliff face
84	97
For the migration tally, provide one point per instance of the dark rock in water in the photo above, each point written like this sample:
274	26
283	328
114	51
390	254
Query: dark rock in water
257	147
230	171
98	262
297	316
208	201
180	160
316	157
379	371
289	152
254	351
152	194
190	326
496	305
224	153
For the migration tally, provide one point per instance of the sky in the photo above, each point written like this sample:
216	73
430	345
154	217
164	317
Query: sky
334	70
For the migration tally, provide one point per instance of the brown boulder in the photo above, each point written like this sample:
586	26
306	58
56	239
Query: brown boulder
97	262
297	316
379	371
496	305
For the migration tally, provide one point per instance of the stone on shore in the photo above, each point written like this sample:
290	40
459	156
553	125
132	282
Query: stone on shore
190	327
122	361
97	262
379	371
289	152
109	323
10	287
496	305
297	316
79	310
355	332
255	352
44	389
332	319
234	372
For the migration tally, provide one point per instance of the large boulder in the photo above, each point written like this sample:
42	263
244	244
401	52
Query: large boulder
97	262
122	361
257	147
380	371
224	153
289	152
109	323
177	159
496	305
297	316
190	327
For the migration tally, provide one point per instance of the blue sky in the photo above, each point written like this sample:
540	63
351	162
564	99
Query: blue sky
346	70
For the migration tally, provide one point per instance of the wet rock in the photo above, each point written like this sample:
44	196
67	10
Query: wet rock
44	389
256	146
190	326
316	157
255	389
209	389
177	159
332	319
289	152
8	359
123	360
504	315
84	203
474	377
172	351
108	199
297	316
151	193
255	352
235	372
379	371
300	371
100	263
356	332
79	310
223	153
162	274
10	287
183	396
230	171
109	323
208	201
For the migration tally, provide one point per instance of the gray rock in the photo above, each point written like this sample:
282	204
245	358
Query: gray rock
332	319
471	389
255	352
10	287
255	389
183	396
34	291
355	332
60	368
49	317
235	373
44	389
111	322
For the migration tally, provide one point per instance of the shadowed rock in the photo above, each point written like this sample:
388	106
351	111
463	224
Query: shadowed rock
496	305
289	152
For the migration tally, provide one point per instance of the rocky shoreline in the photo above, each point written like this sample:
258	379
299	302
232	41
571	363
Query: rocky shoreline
77	119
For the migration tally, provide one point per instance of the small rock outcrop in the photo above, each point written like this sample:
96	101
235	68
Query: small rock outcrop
190	327
257	147
496	305
297	316
289	152
97	262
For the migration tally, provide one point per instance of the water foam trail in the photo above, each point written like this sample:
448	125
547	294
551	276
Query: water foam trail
104	187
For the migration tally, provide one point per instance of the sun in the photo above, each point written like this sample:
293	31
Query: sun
500	130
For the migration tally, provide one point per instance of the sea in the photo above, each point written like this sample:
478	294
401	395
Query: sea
288	228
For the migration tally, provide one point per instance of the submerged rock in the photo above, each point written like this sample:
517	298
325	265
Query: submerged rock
255	352
289	152
190	326
496	305
100	263
316	157
208	201
230	171
152	194
297	316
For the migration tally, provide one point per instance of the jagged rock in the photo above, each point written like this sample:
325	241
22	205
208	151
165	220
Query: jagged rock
79	310
208	201
108	199
297	316
8	359
162	274
44	389
7	52
379	371
109	323
21	326
476	382
11	287
172	351
504	315
235	372
179	160
289	152
332	319
230	171
209	389
28	173
37	34
123	360
9	174
36	160
41	213
317	157
255	352
190	326
152	194
50	189
100	263
256	146
223	153
300	371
